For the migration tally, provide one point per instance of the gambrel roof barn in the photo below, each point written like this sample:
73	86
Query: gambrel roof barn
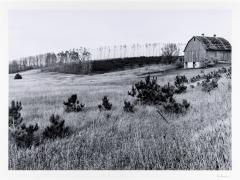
202	49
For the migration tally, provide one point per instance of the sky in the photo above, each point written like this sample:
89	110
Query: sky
33	32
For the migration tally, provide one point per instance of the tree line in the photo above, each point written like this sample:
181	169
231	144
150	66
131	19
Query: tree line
83	54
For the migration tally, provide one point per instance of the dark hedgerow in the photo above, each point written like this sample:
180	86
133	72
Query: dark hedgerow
56	129
15	118
18	76
73	104
128	107
24	136
106	105
179	83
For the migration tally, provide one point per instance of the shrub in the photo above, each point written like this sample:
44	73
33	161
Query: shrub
229	73
192	86
24	136
133	92
195	78
18	76
73	105
151	93
209	85
106	105
128	107
179	64
179	83
15	118
56	129
211	75
175	107
222	70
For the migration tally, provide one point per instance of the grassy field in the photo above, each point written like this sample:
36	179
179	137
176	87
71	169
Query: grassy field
200	139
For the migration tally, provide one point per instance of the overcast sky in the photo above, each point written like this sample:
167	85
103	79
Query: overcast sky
33	32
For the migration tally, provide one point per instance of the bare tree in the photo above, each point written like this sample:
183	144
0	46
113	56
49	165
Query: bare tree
170	52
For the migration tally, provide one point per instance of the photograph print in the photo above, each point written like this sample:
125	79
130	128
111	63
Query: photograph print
119	89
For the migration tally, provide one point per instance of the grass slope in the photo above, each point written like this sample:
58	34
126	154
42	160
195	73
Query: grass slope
201	139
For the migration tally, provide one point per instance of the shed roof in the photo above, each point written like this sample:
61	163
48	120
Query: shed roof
213	43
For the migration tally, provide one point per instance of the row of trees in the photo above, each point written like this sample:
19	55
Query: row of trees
49	59
134	50
84	54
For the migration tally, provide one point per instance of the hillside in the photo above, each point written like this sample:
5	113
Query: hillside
199	139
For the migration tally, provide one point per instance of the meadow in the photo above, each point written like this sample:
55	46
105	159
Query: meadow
197	140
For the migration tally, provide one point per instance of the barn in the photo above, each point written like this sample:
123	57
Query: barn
201	50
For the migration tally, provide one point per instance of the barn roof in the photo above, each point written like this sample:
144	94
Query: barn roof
213	43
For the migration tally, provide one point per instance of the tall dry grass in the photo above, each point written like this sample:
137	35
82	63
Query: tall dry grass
200	139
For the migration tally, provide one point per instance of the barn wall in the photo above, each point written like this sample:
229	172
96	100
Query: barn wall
194	51
219	55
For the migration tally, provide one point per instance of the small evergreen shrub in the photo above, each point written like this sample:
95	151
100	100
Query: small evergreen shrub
18	76
179	83
15	118
24	136
106	105
174	107
195	78
208	85
56	129
128	107
211	75
73	105
150	93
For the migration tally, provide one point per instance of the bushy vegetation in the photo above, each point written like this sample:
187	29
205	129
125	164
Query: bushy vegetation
195	78
180	84
71	68
18	76
106	105
24	136
14	111
73	104
128	106
229	73
148	92
56	129
175	107
209	84
179	64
